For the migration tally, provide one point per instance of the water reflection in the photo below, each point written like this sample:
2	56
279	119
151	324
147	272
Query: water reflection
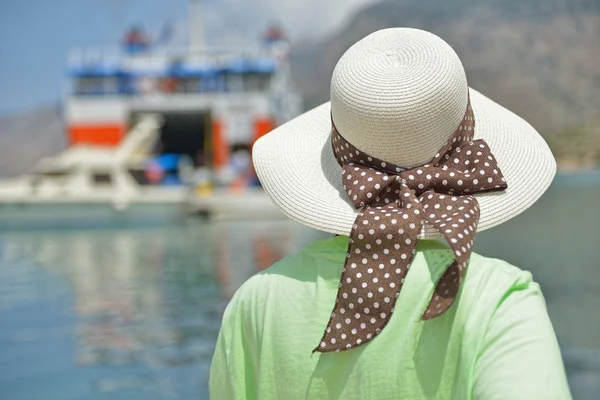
135	313
144	306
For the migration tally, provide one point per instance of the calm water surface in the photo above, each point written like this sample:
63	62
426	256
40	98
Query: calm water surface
134	314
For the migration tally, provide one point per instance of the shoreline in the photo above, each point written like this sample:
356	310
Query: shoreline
574	166
580	171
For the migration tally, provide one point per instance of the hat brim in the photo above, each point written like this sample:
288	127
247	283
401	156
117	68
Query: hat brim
297	168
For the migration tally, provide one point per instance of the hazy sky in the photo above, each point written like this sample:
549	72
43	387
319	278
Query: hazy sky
36	35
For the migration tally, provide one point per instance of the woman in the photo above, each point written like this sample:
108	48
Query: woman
405	164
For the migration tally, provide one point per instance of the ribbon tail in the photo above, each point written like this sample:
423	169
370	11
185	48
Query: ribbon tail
445	292
372	277
460	239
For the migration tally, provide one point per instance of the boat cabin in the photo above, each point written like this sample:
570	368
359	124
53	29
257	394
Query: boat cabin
214	105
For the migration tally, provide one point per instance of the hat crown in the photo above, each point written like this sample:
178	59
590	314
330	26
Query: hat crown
398	95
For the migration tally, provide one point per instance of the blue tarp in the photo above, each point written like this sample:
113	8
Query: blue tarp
168	161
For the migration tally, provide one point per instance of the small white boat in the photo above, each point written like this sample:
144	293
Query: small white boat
92	185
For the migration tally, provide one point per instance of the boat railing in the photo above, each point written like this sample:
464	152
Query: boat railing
115	57
109	71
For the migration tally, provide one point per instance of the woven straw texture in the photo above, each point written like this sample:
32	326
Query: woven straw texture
398	95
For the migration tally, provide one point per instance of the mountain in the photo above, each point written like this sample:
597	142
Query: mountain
27	137
538	58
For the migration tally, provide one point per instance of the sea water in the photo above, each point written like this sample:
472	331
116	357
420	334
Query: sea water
134	313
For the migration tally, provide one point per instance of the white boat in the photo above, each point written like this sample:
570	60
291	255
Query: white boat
91	185
156	131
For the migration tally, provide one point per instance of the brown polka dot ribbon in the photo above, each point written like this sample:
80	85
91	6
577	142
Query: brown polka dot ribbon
394	203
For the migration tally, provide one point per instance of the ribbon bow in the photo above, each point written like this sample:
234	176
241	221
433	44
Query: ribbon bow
394	203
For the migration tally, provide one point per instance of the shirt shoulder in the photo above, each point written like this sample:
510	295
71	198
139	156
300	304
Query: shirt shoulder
486	273
517	356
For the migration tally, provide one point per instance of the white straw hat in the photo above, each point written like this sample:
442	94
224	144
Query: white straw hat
398	95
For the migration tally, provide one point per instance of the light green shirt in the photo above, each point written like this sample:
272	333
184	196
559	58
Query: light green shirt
495	342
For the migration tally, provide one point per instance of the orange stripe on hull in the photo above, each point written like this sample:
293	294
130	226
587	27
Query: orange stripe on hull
262	127
220	145
101	135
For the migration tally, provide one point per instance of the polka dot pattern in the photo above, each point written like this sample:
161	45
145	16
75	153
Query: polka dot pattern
394	203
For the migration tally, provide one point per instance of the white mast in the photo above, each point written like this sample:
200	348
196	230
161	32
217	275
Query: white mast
196	26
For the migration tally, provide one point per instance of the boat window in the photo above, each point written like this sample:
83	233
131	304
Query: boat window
190	85
126	84
234	82
140	176
102	178
212	84
97	85
57	173
256	82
